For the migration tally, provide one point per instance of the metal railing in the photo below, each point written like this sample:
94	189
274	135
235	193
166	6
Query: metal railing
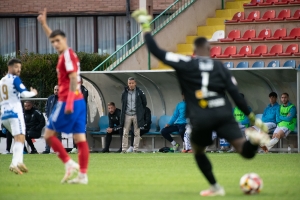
137	40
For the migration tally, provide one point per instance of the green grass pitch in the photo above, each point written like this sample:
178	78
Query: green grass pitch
150	176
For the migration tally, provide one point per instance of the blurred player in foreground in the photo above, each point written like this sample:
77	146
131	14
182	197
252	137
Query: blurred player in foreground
204	82
11	89
69	114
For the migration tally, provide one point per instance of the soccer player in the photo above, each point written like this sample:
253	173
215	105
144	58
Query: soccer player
11	89
69	114
286	117
204	82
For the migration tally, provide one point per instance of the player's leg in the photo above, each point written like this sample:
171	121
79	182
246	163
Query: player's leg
166	133
83	158
78	130
231	131
137	137
206	168
279	133
126	129
14	126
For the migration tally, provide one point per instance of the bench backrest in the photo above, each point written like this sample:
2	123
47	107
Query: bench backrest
103	123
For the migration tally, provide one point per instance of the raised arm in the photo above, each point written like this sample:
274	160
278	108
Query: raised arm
174	60
42	18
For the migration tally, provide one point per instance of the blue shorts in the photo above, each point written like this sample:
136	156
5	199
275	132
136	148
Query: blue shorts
71	123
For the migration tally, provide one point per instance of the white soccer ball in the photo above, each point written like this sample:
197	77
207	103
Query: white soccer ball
251	183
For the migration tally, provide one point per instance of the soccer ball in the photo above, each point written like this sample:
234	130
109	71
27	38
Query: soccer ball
251	183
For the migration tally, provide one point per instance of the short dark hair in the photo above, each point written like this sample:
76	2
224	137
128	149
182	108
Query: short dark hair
285	94
200	42
131	79
56	33
273	94
111	104
13	61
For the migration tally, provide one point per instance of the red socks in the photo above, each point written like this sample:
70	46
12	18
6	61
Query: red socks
58	148
83	156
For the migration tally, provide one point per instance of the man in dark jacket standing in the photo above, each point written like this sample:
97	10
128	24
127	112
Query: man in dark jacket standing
35	122
114	115
133	108
51	102
143	130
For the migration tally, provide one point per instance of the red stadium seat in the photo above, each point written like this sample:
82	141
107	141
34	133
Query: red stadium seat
285	13
231	50
265	33
276	49
245	50
251	33
295	2
252	3
252	16
268	15
296	16
294	34
267	2
279	33
236	18
290	50
282	2
215	51
232	36
259	51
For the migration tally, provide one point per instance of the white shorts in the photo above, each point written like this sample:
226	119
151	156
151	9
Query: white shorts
270	126
15	125
285	130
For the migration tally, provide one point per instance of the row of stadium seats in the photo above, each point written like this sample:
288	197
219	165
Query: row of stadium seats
262	50
265	34
271	2
261	64
269	15
154	129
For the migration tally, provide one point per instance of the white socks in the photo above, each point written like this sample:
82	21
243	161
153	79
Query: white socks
173	143
17	153
272	143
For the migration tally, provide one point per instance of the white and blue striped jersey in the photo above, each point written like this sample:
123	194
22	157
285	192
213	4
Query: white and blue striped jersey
11	88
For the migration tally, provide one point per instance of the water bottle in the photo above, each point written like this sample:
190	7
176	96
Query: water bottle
289	149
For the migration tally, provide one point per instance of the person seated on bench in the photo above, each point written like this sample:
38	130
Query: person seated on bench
114	115
286	121
34	122
242	119
176	124
269	115
143	130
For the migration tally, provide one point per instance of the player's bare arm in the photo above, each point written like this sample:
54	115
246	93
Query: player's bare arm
72	93
42	18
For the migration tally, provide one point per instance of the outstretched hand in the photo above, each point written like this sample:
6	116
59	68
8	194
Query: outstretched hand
143	18
42	18
33	90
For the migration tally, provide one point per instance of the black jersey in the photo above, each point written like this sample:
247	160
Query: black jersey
203	81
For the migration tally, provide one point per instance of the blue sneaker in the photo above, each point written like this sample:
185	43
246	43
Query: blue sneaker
24	152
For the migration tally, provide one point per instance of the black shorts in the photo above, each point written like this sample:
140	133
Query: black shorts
219	120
